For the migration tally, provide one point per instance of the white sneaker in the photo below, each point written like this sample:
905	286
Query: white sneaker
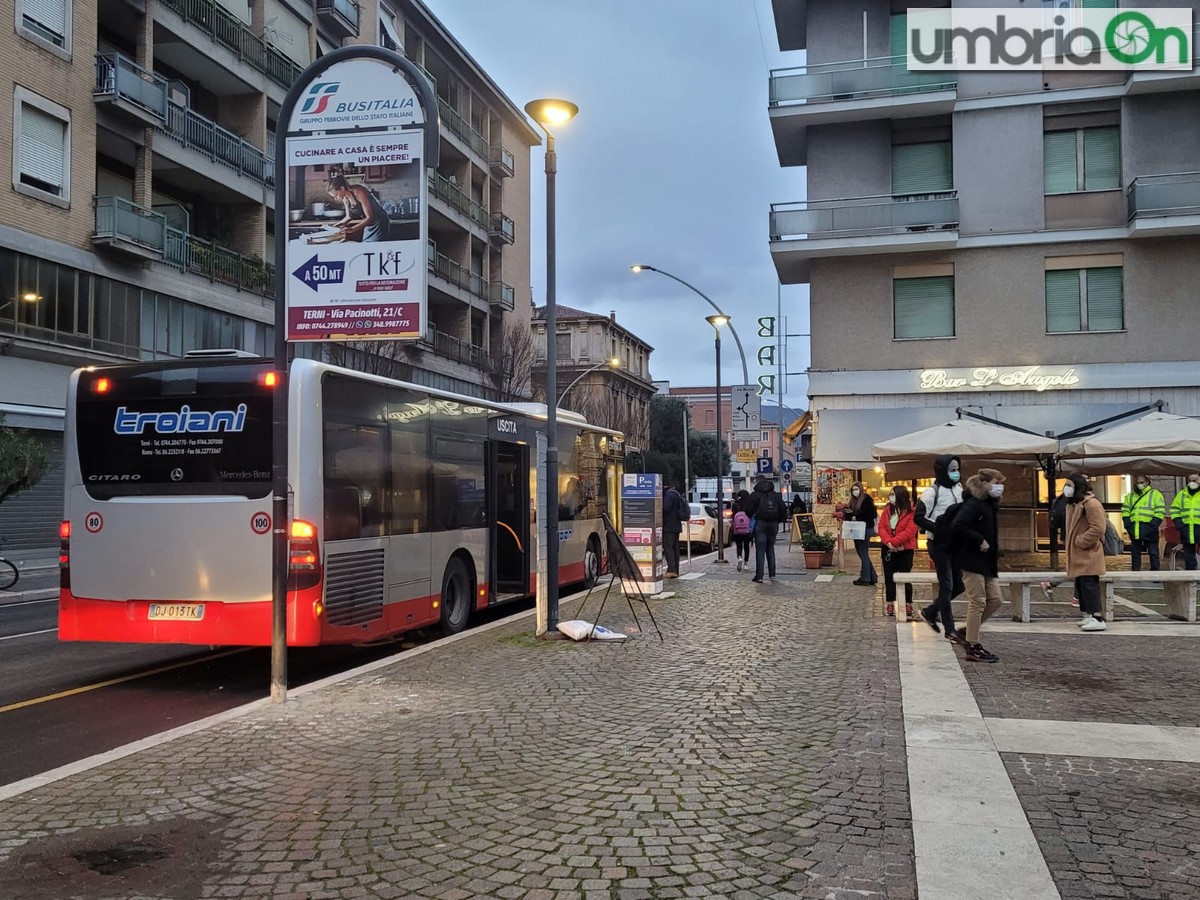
1095	625
739	565
1088	618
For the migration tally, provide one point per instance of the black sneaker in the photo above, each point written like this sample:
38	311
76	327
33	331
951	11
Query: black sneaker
756	580
931	619
957	636
977	653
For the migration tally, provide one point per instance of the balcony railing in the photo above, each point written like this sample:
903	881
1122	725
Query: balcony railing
122	223
119	78
216	263
1164	195
886	76
502	161
864	216
449	192
457	124
460	351
502	295
457	274
227	29
193	130
341	15
503	228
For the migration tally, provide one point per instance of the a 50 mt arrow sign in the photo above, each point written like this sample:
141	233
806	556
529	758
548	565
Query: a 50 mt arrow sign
315	273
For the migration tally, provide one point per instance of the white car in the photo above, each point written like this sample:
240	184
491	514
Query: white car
701	527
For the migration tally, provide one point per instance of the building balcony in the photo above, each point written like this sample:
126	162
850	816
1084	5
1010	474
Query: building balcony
1149	81
460	128
455	197
124	86
456	274
210	17
801	232
133	230
216	143
216	263
503	163
502	229
339	16
1164	204
452	348
851	91
502	296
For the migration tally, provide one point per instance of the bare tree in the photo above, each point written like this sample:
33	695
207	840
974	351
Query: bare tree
392	359
512	362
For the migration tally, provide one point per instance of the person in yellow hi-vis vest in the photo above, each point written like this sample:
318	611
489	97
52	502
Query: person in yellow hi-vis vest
1142	513
1185	513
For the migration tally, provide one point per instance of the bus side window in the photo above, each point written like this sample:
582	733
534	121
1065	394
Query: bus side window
343	512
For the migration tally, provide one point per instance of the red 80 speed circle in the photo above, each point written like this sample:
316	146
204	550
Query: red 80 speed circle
260	522
93	522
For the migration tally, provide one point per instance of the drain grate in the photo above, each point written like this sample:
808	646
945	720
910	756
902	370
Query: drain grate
116	860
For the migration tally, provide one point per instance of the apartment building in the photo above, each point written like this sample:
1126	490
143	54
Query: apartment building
139	221
585	345
1022	245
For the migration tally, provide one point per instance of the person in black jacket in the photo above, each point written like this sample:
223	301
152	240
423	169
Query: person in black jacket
766	506
935	500
674	514
861	508
977	549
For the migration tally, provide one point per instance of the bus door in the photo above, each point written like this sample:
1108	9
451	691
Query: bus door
508	512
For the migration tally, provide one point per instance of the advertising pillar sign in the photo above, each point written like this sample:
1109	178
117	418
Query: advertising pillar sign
641	524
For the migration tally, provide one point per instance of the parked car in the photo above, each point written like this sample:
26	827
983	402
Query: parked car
702	526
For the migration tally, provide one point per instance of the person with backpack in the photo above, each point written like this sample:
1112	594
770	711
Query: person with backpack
976	545
741	528
898	543
1086	526
766	508
944	493
674	514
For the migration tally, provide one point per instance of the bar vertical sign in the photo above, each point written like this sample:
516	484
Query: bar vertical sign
355	194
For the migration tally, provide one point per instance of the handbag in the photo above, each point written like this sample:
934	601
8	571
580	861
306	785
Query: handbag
854	531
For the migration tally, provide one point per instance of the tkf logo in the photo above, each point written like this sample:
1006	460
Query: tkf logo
318	97
1030	39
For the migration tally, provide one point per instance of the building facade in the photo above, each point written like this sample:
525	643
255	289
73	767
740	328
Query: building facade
1023	245
615	397
139	220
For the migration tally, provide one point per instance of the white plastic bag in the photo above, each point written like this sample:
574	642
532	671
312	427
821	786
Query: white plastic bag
579	630
854	531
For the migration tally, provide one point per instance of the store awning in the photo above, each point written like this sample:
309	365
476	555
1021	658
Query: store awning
1156	434
793	431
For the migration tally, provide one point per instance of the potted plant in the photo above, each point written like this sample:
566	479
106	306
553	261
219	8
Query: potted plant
818	549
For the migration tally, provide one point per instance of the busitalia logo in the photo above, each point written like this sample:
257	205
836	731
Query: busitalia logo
318	97
1048	39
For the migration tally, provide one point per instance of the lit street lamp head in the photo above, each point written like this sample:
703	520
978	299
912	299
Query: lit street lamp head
717	321
550	111
642	268
615	362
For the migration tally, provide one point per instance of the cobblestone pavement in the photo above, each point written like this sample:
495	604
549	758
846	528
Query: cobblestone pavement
756	751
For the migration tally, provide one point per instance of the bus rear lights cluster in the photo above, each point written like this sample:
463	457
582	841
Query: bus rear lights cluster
268	379
64	554
101	386
304	563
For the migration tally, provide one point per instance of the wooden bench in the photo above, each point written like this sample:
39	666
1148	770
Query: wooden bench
1180	589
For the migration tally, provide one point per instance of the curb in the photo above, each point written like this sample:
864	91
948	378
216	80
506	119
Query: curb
15	597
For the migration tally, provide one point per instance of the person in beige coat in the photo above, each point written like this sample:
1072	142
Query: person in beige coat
1085	549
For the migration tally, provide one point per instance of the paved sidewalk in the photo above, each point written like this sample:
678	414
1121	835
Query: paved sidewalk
758	750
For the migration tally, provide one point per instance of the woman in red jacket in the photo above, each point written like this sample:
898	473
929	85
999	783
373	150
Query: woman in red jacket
898	542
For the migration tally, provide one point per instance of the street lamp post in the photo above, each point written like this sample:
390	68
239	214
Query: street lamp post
717	322
614	363
547	112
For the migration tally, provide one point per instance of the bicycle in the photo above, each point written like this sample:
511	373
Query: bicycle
9	574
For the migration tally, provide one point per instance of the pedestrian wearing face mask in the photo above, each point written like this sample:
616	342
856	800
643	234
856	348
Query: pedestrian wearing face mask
1142	514
933	503
861	508
1086	523
977	548
898	542
1185	513
1058	523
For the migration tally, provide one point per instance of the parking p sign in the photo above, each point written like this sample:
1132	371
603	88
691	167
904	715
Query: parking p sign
764	465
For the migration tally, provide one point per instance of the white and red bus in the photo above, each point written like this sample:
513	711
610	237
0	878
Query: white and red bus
411	507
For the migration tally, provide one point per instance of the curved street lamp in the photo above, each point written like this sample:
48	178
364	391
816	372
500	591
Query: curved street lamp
641	267
614	363
718	322
546	112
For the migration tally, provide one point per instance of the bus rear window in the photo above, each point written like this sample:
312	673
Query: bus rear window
175	430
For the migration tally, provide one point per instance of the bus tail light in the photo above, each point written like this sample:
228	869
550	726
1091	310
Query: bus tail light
304	560
64	554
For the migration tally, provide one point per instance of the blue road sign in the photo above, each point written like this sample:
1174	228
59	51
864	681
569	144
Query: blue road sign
315	273
786	466
764	465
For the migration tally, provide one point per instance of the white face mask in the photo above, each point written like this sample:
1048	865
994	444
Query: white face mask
995	489
855	492
1141	485
1194	485
892	499
1068	491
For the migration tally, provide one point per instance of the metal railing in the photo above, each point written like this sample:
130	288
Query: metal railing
346	10
863	216
858	79
502	295
230	31
216	263
1164	195
502	159
118	219
118	76
460	351
503	227
221	145
457	124
457	274
446	190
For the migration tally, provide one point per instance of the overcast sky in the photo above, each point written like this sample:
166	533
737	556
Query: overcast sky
670	162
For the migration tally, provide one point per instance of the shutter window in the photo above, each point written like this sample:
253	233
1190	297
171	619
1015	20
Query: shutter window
43	149
922	168
1087	159
899	35
1105	299
48	18
1101	158
923	307
1099	4
1062	301
1059	152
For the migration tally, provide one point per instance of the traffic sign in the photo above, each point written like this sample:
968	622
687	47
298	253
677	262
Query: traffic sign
746	455
747	407
787	477
786	466
764	465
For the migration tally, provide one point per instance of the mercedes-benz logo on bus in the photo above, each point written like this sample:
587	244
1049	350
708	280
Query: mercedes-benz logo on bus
177	474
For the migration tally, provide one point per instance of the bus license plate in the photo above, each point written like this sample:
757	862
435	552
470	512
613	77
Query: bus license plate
180	612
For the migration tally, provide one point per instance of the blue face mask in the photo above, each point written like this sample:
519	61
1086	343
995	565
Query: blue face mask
953	476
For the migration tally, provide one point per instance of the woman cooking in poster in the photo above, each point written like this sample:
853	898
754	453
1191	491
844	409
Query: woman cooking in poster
369	220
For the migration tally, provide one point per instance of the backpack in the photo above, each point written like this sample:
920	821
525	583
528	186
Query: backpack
943	528
1113	545
741	523
770	509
